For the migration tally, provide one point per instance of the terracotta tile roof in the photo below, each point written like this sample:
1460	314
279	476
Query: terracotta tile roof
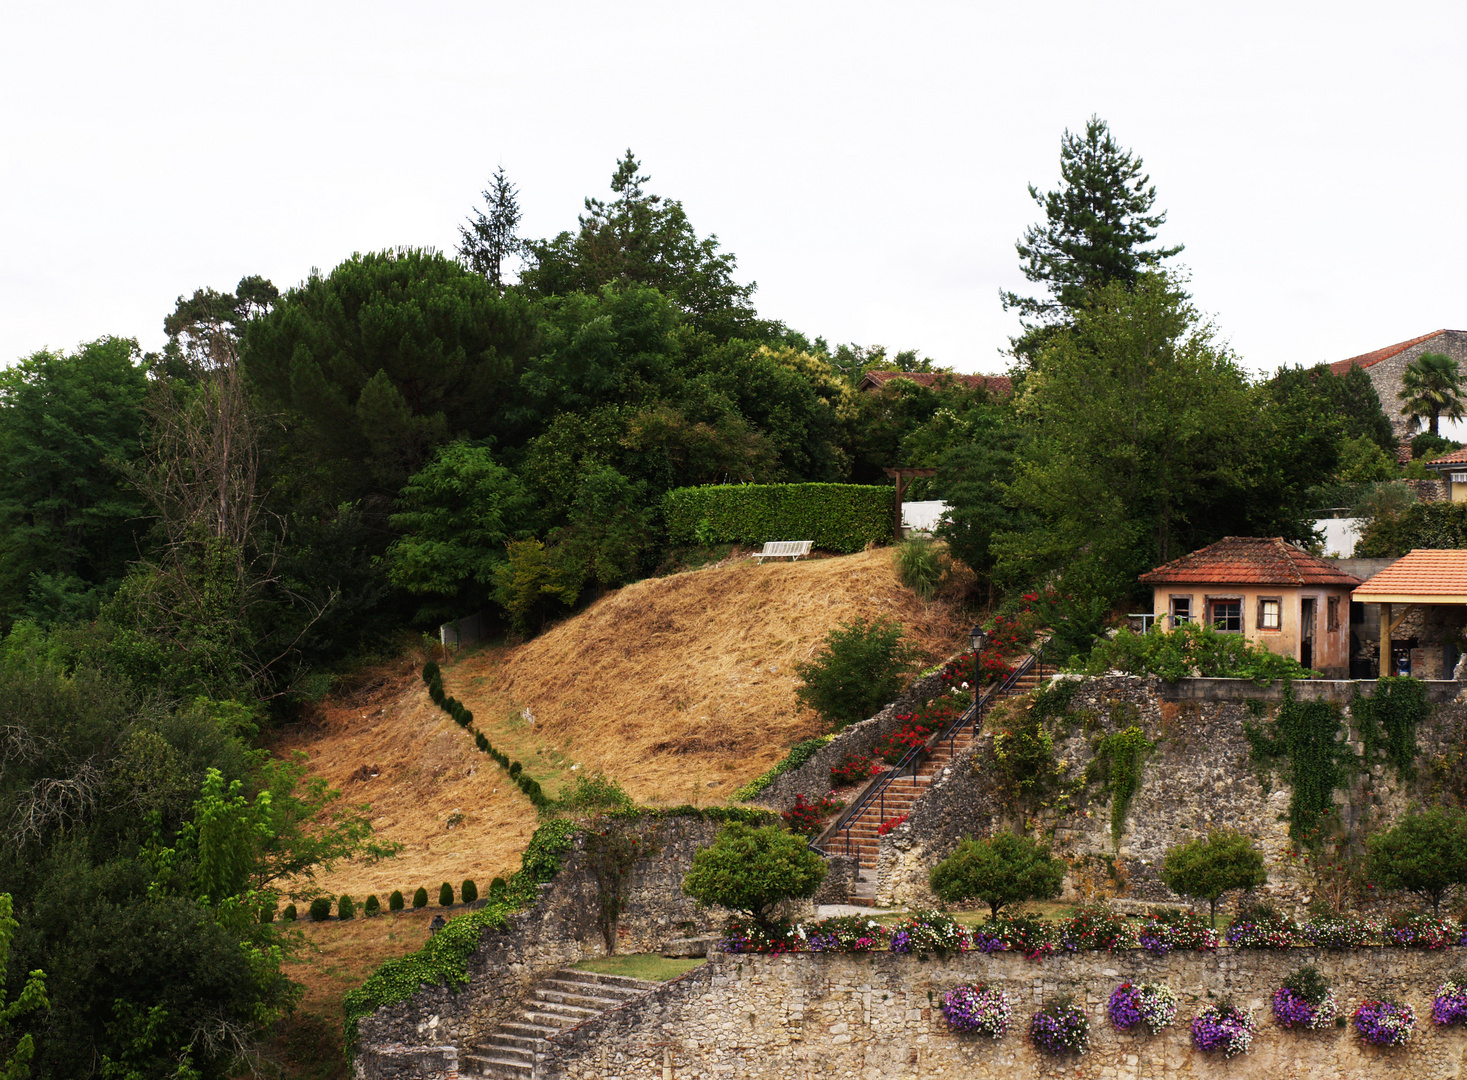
1250	560
1339	367
998	385
1456	457
1424	572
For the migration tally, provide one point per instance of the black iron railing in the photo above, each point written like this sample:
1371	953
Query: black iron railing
911	761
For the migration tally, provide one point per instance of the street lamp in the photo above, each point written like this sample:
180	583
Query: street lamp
978	638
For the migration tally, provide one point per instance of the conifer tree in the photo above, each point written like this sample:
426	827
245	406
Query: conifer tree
489	240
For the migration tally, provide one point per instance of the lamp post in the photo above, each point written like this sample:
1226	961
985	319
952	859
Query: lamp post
978	638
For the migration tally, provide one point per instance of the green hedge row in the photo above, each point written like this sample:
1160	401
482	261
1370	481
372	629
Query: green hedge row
835	517
464	718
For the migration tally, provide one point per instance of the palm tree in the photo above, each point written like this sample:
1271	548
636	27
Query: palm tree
1431	386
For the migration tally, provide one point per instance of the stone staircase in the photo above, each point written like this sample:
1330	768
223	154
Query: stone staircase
557	1001
858	835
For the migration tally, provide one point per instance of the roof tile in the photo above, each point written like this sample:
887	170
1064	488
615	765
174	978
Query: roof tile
1339	367
1424	572
1250	560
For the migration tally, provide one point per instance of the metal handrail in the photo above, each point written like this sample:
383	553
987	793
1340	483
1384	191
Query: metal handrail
914	757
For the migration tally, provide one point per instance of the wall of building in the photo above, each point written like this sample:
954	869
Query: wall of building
877	1017
1331	645
1386	375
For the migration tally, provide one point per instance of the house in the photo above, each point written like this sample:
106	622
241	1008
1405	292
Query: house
1384	366
1452	470
997	385
1422	602
1266	589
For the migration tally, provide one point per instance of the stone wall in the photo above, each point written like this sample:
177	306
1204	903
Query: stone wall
1386	375
560	929
1201	777
876	1017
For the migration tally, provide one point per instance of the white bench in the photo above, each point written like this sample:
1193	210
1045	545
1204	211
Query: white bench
784	549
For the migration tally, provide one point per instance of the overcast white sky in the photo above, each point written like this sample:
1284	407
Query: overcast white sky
866	162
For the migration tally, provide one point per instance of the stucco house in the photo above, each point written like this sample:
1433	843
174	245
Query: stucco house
1384	366
1452	469
1266	589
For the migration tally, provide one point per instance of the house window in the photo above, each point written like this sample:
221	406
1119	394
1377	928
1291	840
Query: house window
1459	477
1270	612
1227	616
1332	610
1181	610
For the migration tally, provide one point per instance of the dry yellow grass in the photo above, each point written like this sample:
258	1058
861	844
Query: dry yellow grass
683	687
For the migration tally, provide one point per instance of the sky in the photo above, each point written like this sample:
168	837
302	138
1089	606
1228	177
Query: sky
867	163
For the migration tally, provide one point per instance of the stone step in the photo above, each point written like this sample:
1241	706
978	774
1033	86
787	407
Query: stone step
528	1030
538	1006
554	1017
513	1045
596	1002
621	982
479	1064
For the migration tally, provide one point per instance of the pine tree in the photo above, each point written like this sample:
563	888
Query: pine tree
1097	226
488	241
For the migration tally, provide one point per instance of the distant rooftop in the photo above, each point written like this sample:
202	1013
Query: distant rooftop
1456	457
1370	359
1250	560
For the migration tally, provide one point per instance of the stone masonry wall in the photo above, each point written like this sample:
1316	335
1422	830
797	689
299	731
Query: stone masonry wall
1201	777
876	1017
1386	375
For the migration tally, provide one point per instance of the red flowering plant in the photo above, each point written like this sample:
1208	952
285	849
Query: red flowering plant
807	818
854	769
889	824
910	736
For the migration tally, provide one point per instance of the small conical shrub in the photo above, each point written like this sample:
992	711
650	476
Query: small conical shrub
373	907
345	909
514	770
430	671
289	913
420	898
468	892
320	908
497	888
267	912
394	902
481	742
445	895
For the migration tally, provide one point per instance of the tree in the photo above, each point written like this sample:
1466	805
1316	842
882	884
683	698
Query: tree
1424	854
16	1065
1431	386
1097	226
859	668
751	870
999	870
489	239
608	530
1204	869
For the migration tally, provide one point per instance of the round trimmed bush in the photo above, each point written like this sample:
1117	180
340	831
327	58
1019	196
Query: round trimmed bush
420	898
289	913
497	888
345	909
320	908
373	907
394	902
468	892
445	895
267	912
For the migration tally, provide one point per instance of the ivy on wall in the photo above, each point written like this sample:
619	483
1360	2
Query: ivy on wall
1387	721
1116	766
1307	742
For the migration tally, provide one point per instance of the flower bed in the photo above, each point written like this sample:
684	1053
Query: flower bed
854	769
845	933
1263	931
1423	932
1223	1027
1384	1023
930	932
1095	927
1060	1027
808	818
979	1009
1147	1005
1164	932
1350	932
1450	1006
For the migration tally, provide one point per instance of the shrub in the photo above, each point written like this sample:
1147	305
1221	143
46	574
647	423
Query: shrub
496	888
1060	1027
1424	854
1095	926
289	914
1193	647
899	743
891	823
1205	869
1170	929
1223	1027
751	870
978	1008
1149	1005
857	671
1261	927
420	898
854	769
807	818
920	567
1385	1023
320	908
373	907
800	753
394	902
834	517
445	895
1003	869
468	891
345	909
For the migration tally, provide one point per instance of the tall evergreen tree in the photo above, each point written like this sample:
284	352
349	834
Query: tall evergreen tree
489	239
1097	226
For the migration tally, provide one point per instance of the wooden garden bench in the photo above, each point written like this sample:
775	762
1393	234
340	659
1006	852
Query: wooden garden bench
784	549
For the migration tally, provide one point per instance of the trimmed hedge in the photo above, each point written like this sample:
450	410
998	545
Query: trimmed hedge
464	718
834	517
394	902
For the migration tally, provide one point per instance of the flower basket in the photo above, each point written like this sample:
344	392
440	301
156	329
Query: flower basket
1150	1006
979	1009
1060	1027
1384	1023
1223	1027
1450	1006
1292	1009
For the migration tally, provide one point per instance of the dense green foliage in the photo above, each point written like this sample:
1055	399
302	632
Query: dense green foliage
999	870
1191	650
1387	721
1307	739
1207	867
1418	525
18	1051
800	753
835	517
1117	768
468	891
753	869
1424	854
858	669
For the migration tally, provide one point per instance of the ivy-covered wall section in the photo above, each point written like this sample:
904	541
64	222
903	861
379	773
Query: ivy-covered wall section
1116	770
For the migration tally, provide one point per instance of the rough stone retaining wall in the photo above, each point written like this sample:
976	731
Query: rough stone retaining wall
877	1017
1201	777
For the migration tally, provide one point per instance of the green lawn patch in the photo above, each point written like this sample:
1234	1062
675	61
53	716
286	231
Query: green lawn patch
647	966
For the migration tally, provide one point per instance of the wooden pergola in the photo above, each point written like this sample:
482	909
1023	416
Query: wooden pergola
902	475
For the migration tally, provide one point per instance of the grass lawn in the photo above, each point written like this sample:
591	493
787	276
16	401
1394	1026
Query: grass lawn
647	966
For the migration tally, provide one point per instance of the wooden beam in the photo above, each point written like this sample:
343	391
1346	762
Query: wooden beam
1385	641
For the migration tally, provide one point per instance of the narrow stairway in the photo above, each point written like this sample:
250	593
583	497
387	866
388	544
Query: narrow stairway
859	836
559	1000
